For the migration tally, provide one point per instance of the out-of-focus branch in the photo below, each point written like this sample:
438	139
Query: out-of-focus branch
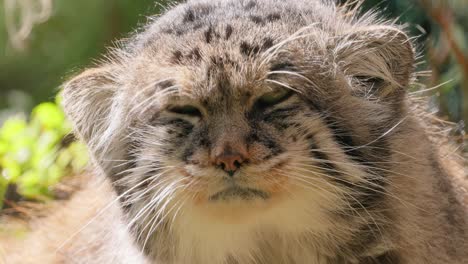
444	16
21	16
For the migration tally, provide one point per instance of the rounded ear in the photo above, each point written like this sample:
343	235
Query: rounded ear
87	101
381	56
91	102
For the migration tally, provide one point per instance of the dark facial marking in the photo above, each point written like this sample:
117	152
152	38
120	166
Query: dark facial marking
205	102
251	4
273	17
343	137
195	54
176	57
188	153
196	12
179	58
189	16
280	125
323	160
208	34
216	64
211	34
282	66
201	138
185	126
217	61
278	117
238	192
267	43
169	31
282	113
370	193
166	84
257	20
228	32
228	60
177	124
248	49
198	139
267	141
174	29
372	190
371	156
123	201
197	25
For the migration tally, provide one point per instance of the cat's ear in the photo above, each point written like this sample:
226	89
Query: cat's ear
87	101
378	56
92	102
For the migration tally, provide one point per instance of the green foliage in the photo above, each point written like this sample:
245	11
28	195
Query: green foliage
34	154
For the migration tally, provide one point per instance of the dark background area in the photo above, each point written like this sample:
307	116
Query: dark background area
77	32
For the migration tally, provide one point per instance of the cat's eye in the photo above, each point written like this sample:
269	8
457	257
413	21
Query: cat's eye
189	110
274	97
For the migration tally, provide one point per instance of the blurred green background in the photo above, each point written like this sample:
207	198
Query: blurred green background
44	41
75	33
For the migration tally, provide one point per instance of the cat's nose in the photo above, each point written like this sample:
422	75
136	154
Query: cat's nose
229	160
230	163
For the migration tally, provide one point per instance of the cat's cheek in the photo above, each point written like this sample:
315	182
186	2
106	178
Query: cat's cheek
200	182
276	184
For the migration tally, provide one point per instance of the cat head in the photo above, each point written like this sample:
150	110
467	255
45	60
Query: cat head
235	114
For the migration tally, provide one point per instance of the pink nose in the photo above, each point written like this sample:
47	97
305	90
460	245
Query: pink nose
229	159
229	162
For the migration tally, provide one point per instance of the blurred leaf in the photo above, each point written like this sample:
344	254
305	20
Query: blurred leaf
48	115
11	128
32	155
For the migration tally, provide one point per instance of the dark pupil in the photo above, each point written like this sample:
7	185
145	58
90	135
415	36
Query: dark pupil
185	110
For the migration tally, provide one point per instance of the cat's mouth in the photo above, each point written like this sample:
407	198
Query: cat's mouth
238	192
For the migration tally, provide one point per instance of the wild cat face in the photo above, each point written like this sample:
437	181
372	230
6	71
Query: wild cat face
257	110
228	139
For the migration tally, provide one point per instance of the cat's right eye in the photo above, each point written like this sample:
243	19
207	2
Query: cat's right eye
188	110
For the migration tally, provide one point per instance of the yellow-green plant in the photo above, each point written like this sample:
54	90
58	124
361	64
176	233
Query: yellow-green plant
34	154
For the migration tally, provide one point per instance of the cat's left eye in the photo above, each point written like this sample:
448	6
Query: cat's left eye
189	110
274	97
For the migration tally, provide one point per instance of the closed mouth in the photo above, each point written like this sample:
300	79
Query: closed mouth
239	192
